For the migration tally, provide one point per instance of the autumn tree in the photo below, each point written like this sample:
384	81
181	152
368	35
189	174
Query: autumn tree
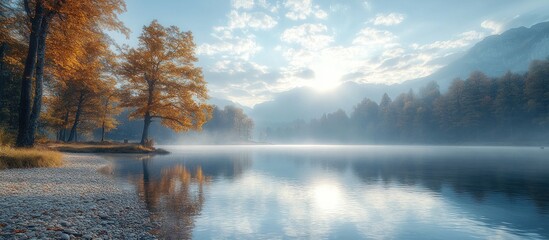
161	81
44	16
109	108
230	124
11	51
84	97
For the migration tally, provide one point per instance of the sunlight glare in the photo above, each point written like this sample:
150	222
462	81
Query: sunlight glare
327	197
328	74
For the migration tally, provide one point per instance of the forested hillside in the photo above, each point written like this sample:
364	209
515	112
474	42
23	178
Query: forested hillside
513	108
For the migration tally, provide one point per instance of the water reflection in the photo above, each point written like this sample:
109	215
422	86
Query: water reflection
174	199
345	192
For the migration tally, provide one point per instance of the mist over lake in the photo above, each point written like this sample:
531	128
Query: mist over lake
274	119
343	192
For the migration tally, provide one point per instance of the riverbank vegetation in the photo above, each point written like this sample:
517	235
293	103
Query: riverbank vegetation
29	158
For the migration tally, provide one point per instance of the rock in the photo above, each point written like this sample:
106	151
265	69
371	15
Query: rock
72	232
64	223
65	236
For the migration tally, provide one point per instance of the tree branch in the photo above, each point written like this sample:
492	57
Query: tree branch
169	118
27	9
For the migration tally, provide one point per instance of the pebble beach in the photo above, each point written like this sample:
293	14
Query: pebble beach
74	201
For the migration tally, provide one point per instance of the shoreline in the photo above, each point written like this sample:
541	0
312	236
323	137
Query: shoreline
74	200
104	147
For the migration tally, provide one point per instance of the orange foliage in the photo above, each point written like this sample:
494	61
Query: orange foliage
161	80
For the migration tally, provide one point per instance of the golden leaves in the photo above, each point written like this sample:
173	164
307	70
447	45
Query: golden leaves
161	79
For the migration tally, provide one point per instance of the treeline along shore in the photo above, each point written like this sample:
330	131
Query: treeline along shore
511	109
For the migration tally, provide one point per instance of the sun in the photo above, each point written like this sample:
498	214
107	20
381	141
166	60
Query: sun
328	74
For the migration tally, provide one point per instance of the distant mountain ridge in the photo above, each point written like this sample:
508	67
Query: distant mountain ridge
513	50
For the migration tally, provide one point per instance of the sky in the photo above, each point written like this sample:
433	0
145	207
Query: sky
250	50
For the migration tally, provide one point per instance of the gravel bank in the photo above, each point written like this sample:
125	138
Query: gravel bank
71	202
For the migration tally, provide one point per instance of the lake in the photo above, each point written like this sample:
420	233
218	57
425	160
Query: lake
343	192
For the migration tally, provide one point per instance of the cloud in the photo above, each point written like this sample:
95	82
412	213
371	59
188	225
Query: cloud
242	81
305	73
463	40
257	20
309	36
243	88
366	4
273	8
302	9
238	66
237	48
388	19
308	54
245	4
493	26
373	36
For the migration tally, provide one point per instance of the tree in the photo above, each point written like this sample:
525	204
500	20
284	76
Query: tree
109	108
229	124
537	91
11	58
83	97
161	81
425	121
365	118
61	15
510	104
476	103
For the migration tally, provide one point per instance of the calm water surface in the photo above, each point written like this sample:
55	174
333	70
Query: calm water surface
343	192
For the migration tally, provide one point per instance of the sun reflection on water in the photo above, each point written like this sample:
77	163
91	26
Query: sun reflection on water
269	196
327	197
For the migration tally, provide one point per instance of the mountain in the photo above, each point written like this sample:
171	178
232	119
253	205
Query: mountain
513	50
305	103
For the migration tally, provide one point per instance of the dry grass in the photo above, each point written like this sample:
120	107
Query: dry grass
6	138
29	158
103	148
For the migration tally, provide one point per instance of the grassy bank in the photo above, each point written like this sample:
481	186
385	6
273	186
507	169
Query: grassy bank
29	158
105	147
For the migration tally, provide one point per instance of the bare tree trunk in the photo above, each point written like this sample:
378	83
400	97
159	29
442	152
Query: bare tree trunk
103	131
3	50
3	81
147	123
39	81
63	135
23	138
147	118
72	136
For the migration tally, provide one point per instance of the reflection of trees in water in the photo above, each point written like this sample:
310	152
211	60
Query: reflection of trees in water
172	185
174	199
473	173
477	177
225	165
